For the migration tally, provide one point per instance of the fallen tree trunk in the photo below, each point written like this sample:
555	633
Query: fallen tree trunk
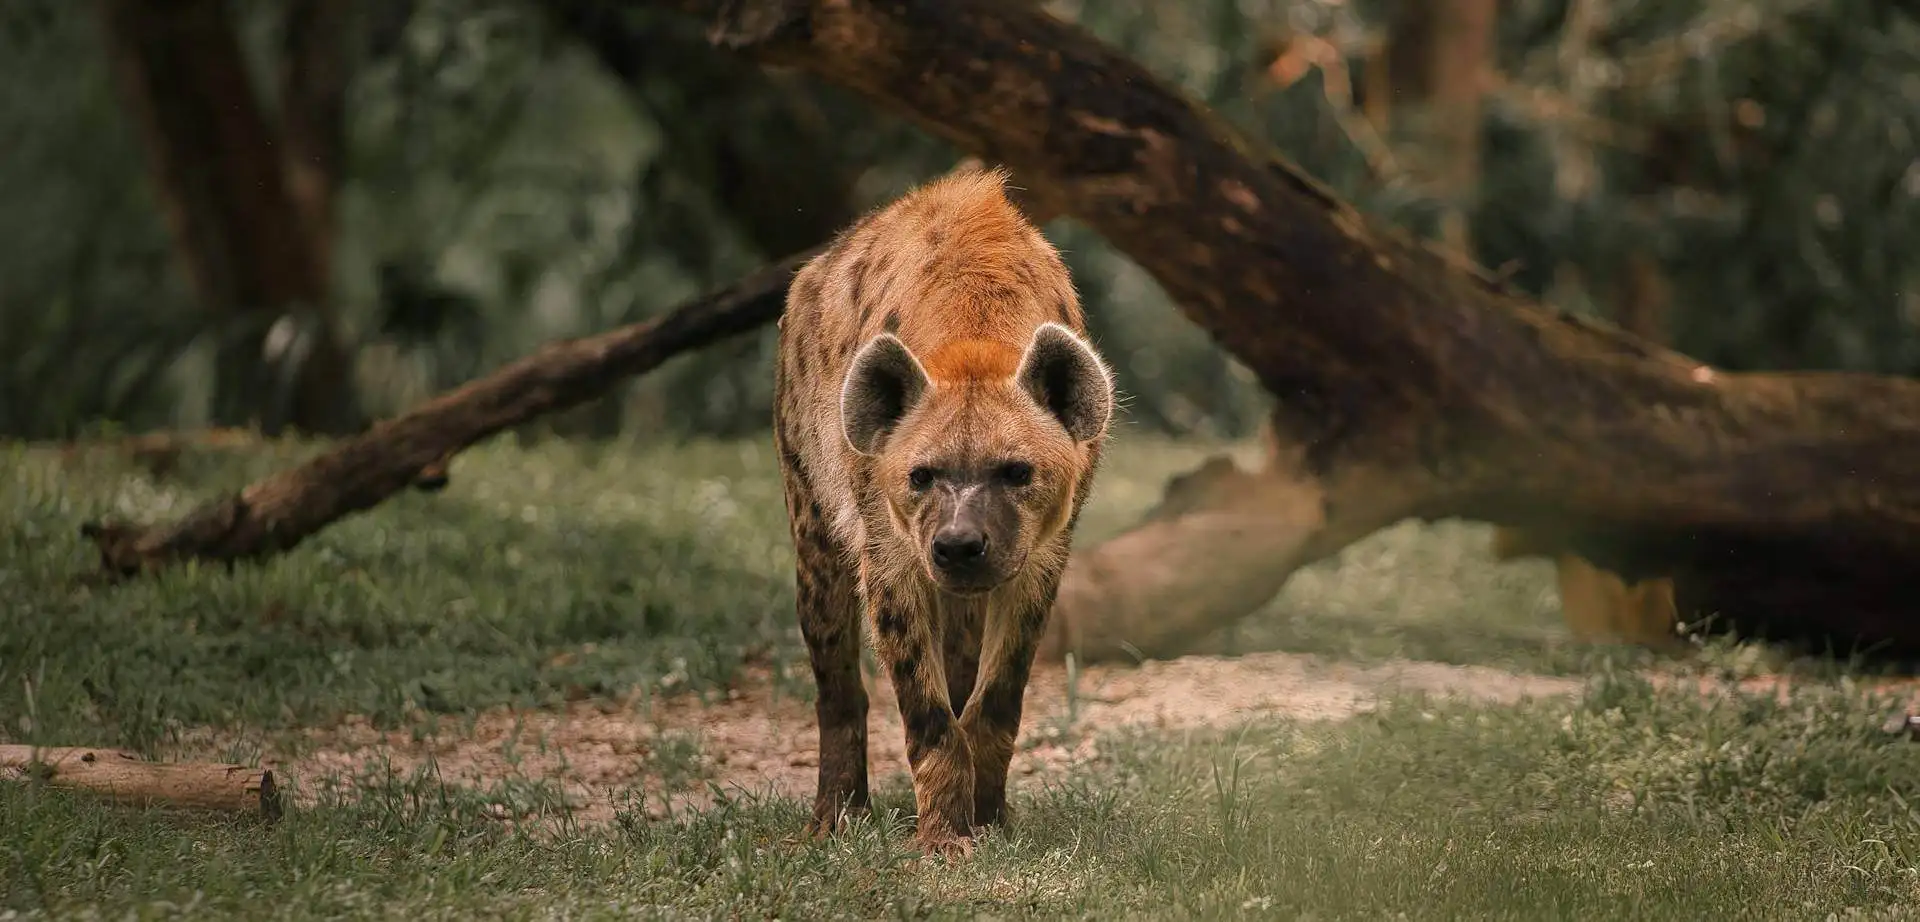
126	777
1409	383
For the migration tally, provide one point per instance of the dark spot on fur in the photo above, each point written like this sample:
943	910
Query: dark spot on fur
928	728
891	622
892	322
857	278
1000	704
808	291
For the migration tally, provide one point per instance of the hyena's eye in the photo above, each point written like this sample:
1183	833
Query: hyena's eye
1015	473
920	478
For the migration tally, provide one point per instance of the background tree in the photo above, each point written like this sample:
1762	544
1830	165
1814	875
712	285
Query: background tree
249	203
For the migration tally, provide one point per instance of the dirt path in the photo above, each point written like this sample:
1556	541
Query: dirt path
602	753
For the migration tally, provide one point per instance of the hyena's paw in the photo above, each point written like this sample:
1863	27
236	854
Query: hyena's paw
945	832
943	843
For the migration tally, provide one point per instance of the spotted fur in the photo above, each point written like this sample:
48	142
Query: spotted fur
939	418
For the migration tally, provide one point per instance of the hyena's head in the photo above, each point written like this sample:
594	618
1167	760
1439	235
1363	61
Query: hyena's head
977	461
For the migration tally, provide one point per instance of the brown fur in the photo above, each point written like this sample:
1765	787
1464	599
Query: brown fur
924	392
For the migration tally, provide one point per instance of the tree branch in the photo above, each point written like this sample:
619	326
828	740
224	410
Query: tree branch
277	513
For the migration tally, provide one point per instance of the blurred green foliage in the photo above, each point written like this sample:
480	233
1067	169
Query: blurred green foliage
513	176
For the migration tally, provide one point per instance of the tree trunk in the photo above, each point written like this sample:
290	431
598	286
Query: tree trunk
1437	62
1208	552
1409	383
314	74
250	250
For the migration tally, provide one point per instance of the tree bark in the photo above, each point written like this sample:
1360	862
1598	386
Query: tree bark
1409	383
126	777
237	220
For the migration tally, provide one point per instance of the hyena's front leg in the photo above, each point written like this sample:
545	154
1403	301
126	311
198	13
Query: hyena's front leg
991	721
936	749
830	622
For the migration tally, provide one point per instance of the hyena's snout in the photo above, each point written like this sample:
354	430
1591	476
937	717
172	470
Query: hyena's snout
964	552
959	549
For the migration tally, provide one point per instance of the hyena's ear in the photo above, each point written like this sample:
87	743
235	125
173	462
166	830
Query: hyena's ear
884	382
1067	377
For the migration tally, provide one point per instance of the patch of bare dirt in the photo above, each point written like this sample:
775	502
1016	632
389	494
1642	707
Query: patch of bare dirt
753	741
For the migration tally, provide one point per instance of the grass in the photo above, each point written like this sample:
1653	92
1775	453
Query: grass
1631	804
557	572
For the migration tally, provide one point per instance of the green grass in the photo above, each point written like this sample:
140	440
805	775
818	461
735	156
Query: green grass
549	573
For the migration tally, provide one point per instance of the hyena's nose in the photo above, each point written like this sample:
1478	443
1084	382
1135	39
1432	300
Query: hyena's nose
957	546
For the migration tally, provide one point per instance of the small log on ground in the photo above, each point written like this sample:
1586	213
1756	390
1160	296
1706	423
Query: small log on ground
125	777
1410	384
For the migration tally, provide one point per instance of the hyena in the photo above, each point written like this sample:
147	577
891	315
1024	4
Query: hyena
939	418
